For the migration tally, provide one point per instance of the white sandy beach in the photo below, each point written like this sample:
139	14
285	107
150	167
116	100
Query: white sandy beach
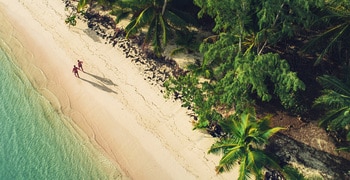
127	118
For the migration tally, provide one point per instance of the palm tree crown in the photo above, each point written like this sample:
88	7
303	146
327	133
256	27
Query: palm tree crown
244	145
158	17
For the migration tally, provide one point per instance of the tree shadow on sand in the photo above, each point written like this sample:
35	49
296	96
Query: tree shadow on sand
100	86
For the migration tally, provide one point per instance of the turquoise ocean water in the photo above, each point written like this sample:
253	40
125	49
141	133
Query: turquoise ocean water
36	141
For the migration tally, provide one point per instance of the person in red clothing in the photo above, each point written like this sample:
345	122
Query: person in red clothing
80	65
75	71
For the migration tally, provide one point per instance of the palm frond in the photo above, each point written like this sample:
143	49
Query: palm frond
244	123
233	155
185	16
336	115
81	5
338	32
336	101
151	30
341	119
334	16
120	14
245	133
140	21
222	146
243	170
228	125
254	160
347	149
129	28
155	40
164	30
331	100
230	159
333	83
174	20
267	134
265	122
177	51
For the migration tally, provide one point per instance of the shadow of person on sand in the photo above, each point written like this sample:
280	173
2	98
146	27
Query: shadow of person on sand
100	86
103	80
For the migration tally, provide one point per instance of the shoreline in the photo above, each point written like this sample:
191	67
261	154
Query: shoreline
120	112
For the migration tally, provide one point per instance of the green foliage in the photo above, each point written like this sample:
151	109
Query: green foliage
195	98
345	148
187	42
244	144
159	17
237	81
267	21
236	61
71	20
252	74
81	5
333	29
233	85
336	101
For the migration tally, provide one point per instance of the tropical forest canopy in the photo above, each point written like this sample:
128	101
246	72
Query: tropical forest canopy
293	54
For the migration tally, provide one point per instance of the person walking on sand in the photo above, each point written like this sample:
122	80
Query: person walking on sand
80	65
75	71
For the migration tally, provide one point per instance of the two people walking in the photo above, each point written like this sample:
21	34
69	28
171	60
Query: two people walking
75	68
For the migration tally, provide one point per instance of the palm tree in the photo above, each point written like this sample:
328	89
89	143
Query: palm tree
158	17
333	29
244	145
336	100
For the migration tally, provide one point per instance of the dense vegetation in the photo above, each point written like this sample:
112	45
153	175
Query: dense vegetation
292	54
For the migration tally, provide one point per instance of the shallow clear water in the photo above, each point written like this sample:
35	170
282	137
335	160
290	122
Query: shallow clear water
36	141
